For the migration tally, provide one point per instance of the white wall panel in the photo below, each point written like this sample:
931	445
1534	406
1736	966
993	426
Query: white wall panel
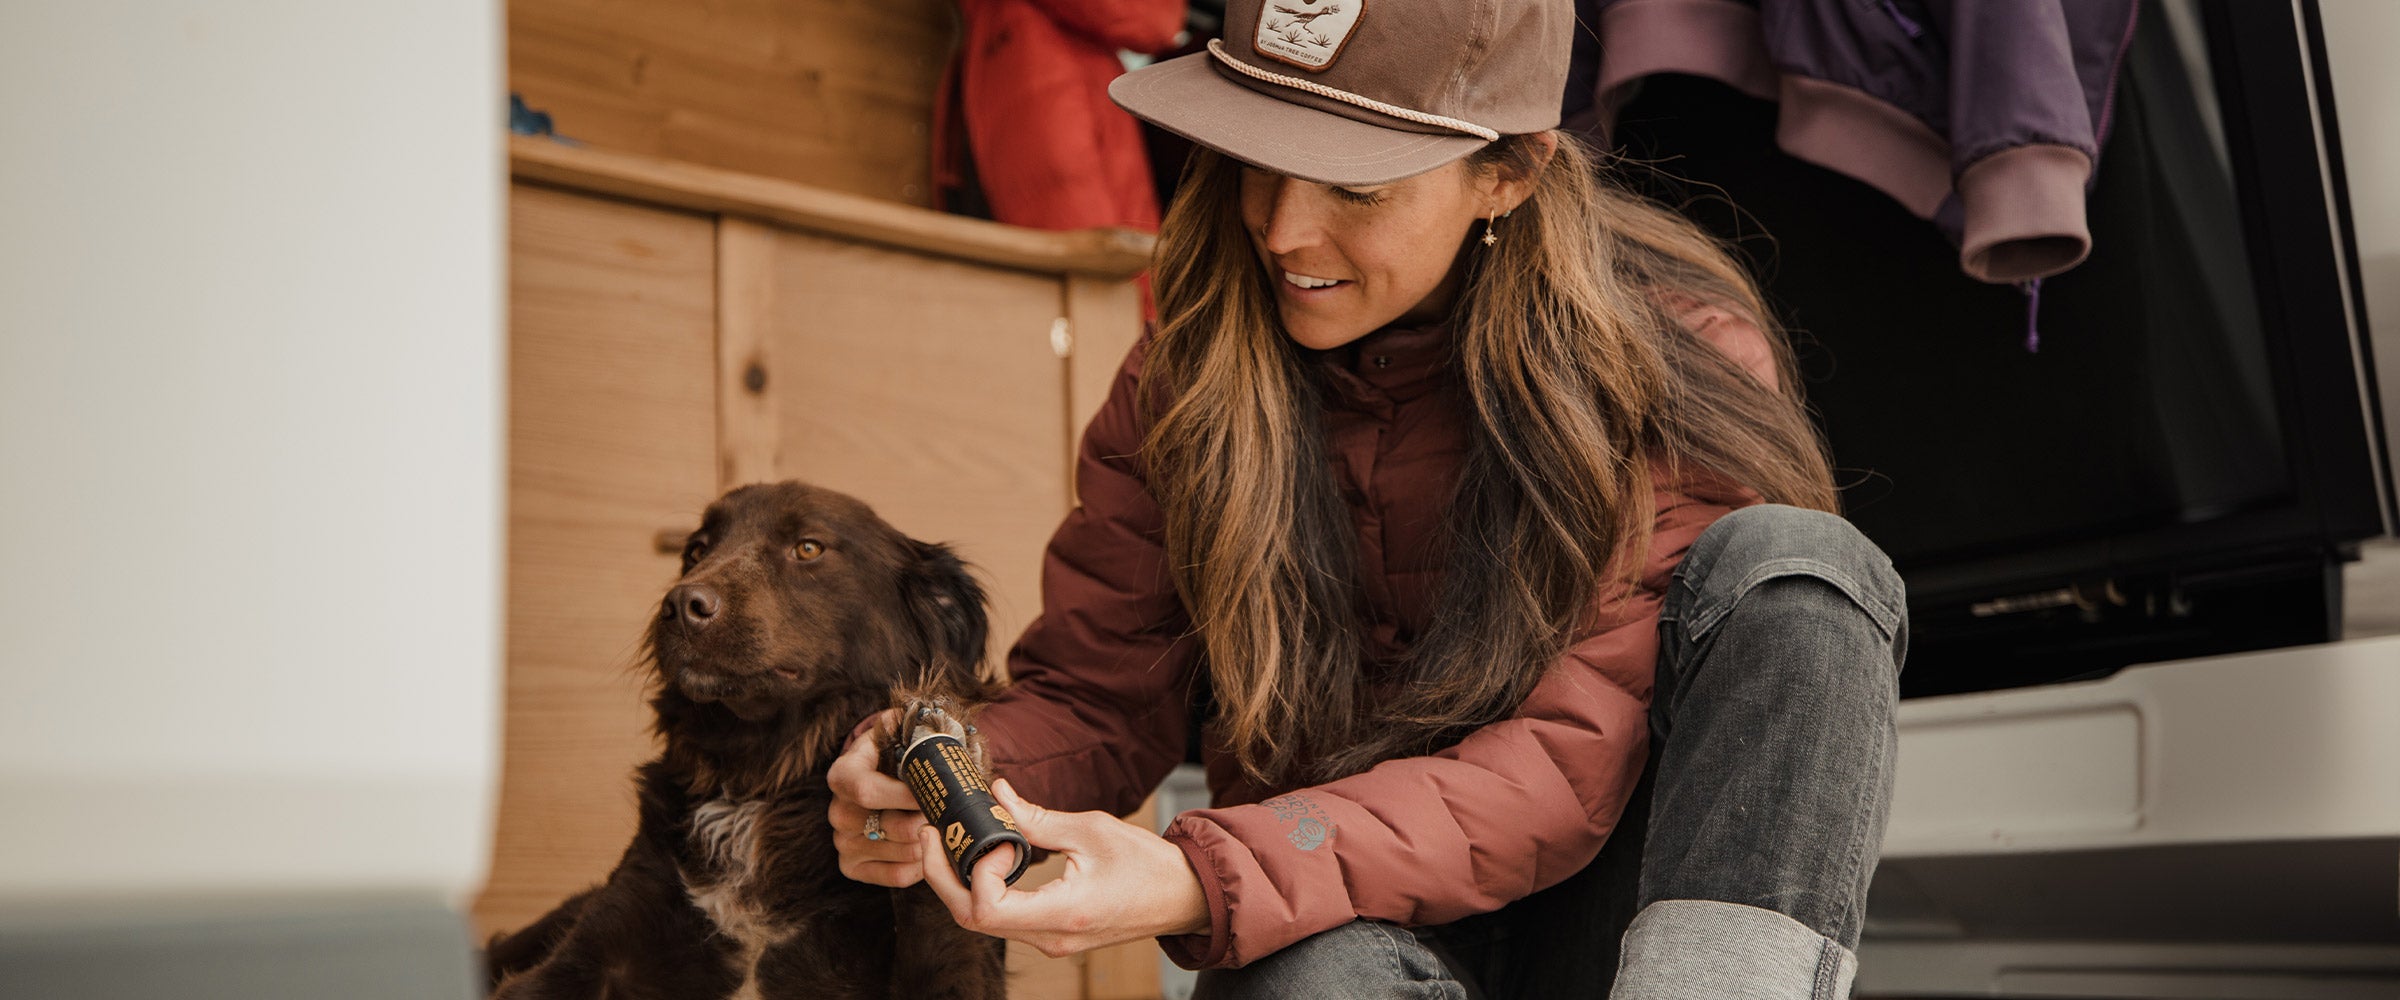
251	480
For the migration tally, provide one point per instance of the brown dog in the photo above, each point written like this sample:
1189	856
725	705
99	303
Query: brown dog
799	613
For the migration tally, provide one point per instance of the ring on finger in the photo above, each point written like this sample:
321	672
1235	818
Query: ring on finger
875	825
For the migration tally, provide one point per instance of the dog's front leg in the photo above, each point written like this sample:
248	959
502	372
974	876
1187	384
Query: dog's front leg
559	976
573	963
632	943
637	936
508	954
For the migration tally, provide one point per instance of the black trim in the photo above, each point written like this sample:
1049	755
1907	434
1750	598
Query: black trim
2363	333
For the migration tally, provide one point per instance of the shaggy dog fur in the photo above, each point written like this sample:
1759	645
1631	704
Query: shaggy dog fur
799	613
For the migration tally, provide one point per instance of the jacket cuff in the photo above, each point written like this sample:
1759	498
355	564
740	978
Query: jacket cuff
1851	132
1717	39
1201	951
2024	213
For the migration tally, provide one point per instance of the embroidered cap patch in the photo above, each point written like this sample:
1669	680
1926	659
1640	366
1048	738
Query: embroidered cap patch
1307	33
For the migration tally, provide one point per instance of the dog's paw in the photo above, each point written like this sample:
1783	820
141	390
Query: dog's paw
922	714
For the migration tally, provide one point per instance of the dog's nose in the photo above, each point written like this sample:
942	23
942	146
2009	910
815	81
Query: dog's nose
697	604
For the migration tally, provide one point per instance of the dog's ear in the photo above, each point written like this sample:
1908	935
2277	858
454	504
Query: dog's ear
947	604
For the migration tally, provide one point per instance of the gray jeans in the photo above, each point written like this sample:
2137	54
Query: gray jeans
1740	869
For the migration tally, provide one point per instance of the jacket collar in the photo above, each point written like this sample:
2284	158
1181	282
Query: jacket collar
1395	364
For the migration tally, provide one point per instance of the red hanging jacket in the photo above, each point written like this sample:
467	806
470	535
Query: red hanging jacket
1030	85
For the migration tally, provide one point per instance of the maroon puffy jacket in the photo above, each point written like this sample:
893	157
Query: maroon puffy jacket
1098	712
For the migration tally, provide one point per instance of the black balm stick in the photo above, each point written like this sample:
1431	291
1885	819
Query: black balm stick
935	765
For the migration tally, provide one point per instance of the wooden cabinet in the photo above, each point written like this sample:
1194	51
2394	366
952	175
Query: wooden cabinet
678	330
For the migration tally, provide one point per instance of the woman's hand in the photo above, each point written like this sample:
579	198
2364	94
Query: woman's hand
1123	883
860	789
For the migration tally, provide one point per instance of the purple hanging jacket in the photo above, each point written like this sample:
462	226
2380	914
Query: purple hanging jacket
1984	116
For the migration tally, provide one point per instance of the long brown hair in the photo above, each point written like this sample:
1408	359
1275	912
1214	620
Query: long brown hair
1578	379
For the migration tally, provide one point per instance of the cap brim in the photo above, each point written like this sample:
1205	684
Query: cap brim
1191	98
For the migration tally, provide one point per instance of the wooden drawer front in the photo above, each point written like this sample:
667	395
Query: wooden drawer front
928	388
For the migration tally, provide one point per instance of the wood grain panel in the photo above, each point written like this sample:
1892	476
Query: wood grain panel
1106	317
746	423
831	92
611	438
929	389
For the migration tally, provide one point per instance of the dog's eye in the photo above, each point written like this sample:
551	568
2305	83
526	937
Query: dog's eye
809	548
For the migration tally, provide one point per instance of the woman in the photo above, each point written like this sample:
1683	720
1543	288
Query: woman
1429	480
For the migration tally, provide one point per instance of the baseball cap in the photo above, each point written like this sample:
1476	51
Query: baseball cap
1359	92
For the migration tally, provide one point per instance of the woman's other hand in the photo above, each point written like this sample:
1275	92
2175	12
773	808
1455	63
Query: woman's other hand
860	790
1122	883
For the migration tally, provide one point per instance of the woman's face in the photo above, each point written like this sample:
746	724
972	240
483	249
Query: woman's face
1346	261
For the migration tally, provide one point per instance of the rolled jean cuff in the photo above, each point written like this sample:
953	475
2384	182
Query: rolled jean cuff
1682	948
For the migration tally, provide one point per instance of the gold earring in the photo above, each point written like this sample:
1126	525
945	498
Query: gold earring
1489	238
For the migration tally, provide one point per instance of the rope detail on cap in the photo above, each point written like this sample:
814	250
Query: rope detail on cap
1216	47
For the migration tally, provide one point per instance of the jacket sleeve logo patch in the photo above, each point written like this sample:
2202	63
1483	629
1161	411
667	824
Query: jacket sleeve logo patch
1307	33
1305	823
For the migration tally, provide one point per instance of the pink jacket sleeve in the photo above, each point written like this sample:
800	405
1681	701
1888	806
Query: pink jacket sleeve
1515	807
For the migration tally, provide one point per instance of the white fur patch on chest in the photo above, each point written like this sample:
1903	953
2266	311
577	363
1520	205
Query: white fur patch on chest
726	834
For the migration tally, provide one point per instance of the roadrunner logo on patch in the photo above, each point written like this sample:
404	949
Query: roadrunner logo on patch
1307	33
